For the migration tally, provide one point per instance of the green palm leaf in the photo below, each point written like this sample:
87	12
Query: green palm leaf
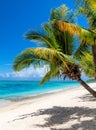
86	64
46	39
93	4
83	48
86	35
39	38
53	73
39	56
88	8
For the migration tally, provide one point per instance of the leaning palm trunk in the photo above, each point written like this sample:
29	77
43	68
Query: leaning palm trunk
94	58
90	90
75	74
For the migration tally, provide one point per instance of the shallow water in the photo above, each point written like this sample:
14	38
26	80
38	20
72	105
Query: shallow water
9	89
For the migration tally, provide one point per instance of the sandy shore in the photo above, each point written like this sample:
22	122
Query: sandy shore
71	109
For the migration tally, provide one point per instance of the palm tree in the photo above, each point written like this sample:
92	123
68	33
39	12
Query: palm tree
88	8
93	4
90	2
57	52
86	63
86	35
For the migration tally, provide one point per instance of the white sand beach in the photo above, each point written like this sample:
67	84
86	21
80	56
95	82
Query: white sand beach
70	109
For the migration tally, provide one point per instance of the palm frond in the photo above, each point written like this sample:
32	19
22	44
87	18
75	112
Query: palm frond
62	13
88	8
47	39
33	56
50	34
93	4
26	58
36	56
44	39
64	39
83	47
86	35
50	74
86	63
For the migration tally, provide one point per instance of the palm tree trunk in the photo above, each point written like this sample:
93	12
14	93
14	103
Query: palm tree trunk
90	90
94	58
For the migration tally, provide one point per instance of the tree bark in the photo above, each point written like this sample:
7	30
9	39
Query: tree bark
88	88
94	58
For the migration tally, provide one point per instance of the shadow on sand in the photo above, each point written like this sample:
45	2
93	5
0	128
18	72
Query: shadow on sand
82	118
61	115
88	97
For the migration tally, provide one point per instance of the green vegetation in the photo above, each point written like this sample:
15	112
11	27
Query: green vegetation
87	36
58	49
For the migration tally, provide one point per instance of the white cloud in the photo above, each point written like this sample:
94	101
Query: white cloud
27	73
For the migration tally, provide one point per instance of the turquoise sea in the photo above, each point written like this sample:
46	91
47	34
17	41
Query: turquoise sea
12	89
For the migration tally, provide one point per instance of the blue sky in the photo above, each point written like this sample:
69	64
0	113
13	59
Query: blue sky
16	18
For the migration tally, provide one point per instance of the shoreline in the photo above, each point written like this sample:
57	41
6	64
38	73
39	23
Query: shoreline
72	108
20	99
33	88
29	97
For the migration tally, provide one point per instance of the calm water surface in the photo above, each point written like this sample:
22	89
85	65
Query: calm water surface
23	88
